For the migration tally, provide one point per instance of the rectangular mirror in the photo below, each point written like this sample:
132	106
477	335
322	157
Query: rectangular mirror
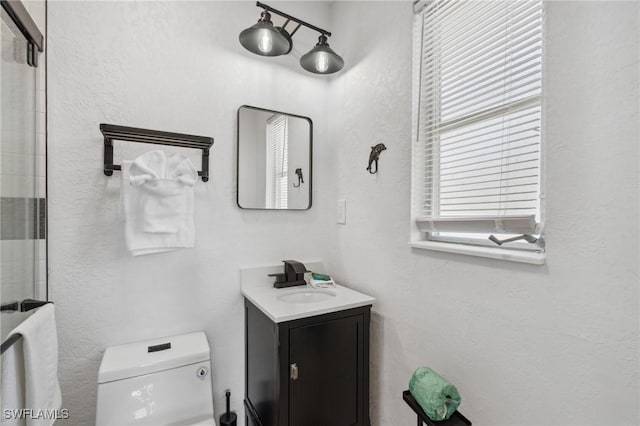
274	160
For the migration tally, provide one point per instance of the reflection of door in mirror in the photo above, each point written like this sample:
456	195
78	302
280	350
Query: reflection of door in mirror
272	145
277	158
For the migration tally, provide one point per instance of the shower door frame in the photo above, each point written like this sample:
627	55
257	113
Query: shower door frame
18	13
23	21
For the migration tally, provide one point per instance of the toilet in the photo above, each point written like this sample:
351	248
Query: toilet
163	381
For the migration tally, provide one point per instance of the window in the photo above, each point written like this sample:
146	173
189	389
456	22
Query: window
478	140
277	161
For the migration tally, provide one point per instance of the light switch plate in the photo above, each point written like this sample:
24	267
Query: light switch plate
341	212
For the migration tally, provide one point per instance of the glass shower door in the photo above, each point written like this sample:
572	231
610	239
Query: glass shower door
22	244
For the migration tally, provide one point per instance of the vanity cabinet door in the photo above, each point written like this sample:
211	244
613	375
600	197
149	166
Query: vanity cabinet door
326	373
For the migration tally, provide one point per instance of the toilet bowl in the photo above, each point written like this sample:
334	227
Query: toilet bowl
156	382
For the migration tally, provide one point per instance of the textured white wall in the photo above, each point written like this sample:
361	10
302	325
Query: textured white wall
171	66
526	345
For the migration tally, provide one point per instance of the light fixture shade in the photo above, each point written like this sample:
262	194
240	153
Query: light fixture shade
322	59
264	39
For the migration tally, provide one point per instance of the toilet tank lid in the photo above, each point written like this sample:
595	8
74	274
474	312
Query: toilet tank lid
139	358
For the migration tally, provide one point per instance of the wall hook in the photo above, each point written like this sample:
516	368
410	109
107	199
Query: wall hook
300	178
374	156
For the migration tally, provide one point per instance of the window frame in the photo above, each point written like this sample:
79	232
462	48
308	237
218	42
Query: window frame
274	183
523	252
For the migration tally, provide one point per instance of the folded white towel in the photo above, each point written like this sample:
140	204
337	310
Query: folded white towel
165	190
13	383
157	203
322	283
40	348
150	165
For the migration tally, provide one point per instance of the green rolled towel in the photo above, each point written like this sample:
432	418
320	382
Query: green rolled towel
437	397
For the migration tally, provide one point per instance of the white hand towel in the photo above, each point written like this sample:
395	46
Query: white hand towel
40	347
150	165
165	190
322	283
13	383
157	203
181	169
138	242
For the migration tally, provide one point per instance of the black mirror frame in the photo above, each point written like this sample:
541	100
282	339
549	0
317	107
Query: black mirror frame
310	173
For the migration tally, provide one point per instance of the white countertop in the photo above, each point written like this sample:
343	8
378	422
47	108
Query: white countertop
258	288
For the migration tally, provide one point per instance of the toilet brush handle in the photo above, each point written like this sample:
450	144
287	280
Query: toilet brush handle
228	418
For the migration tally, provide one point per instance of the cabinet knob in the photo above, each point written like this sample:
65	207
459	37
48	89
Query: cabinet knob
293	371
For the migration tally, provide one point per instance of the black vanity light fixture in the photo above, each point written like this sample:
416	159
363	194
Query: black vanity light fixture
265	39
322	59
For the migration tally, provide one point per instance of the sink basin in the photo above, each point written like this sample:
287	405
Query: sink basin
307	296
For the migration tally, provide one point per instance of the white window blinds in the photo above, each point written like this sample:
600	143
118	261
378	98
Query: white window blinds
479	116
277	162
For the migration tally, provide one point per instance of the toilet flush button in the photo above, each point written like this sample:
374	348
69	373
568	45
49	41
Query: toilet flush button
202	372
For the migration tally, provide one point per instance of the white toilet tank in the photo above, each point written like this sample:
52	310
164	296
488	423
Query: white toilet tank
148	383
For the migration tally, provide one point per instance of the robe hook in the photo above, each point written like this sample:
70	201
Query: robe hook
374	156
300	178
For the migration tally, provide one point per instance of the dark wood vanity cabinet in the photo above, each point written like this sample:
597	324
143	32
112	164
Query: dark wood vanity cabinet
308	372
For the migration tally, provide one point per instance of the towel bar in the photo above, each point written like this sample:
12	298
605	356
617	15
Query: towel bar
10	307
25	306
112	132
9	342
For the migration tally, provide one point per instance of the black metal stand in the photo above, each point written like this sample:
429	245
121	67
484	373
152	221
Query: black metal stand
457	419
112	132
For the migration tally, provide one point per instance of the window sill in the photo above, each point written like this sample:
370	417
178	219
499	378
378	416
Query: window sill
533	258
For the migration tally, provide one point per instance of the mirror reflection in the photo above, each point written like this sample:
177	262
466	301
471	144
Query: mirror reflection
274	160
